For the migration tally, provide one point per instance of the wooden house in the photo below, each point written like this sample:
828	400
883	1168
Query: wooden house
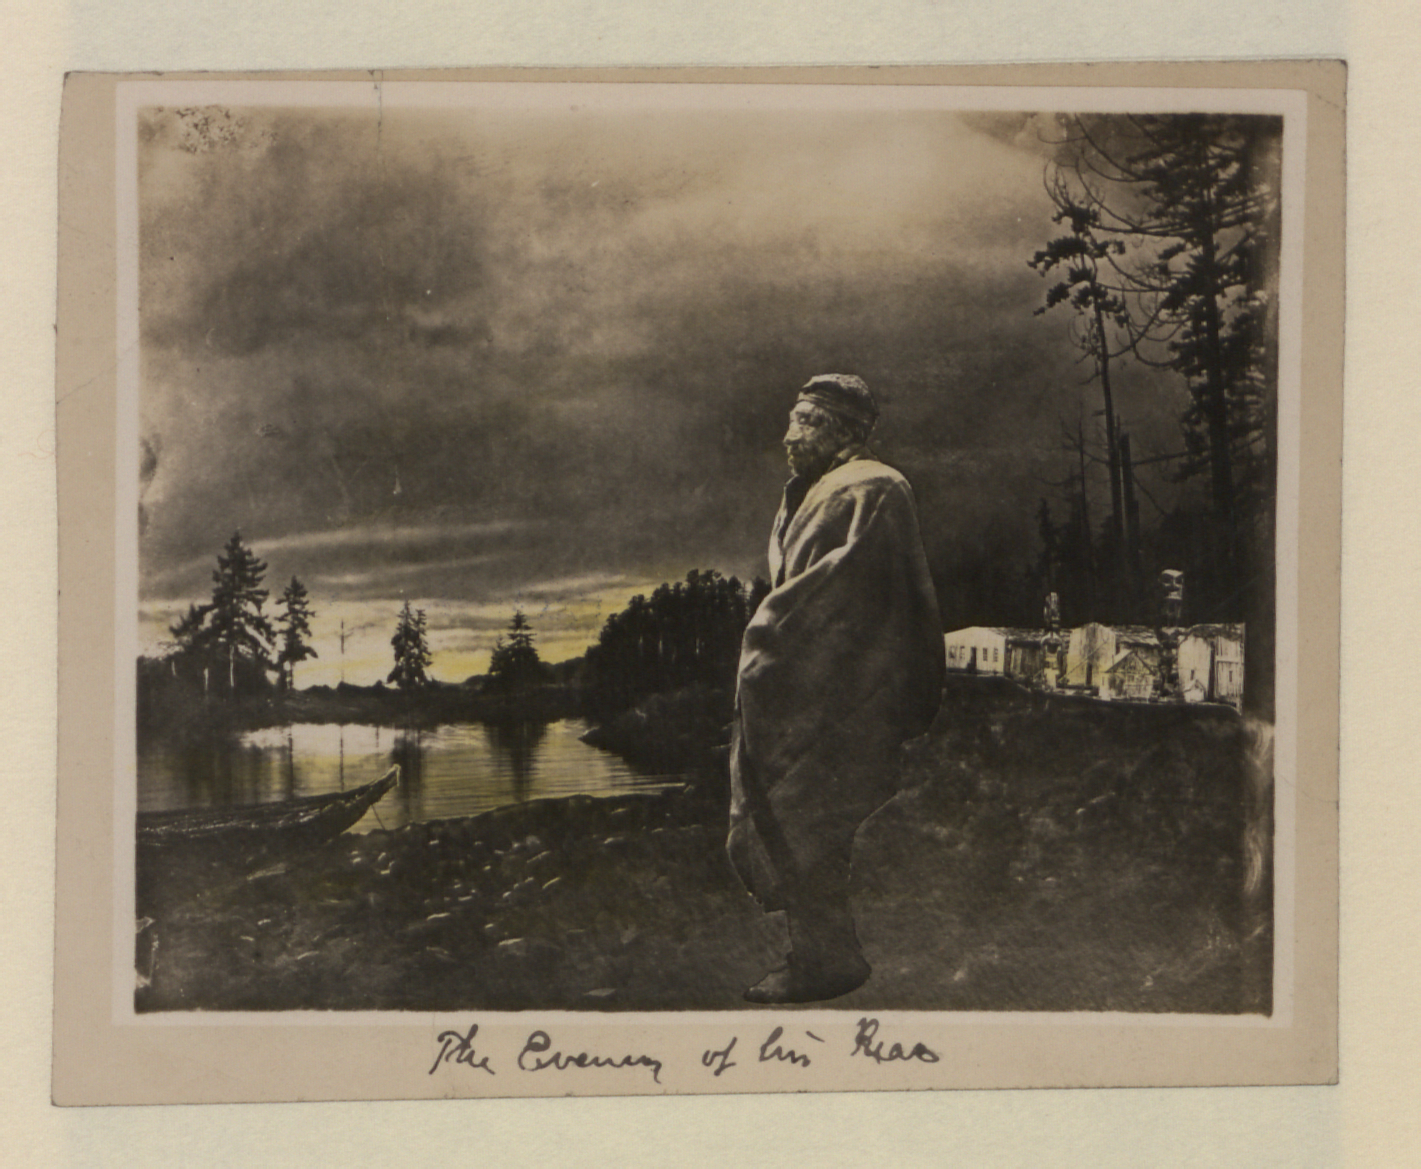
1094	650
1210	664
978	649
1132	676
1090	651
981	649
1026	654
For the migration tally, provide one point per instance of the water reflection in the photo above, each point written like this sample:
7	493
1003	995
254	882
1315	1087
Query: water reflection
448	771
519	743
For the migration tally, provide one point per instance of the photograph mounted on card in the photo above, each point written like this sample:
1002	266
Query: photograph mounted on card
678	581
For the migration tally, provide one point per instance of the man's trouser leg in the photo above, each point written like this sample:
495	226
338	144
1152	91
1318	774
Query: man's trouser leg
824	959
823	941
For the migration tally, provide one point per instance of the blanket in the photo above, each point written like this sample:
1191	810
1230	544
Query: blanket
840	665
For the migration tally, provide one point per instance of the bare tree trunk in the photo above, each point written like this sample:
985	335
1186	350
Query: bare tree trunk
1216	414
1117	510
1132	520
1087	544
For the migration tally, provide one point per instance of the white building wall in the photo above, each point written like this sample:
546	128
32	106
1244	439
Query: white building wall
1090	645
990	646
1195	662
1228	670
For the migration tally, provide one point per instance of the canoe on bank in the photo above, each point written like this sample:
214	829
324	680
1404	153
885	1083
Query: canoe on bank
306	820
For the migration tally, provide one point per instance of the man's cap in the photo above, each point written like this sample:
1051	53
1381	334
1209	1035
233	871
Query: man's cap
843	394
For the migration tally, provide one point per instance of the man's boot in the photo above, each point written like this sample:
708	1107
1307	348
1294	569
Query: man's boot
824	960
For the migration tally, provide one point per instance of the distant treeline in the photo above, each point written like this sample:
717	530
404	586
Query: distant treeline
685	634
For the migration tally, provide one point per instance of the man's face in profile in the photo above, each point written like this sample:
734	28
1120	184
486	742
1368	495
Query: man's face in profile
812	440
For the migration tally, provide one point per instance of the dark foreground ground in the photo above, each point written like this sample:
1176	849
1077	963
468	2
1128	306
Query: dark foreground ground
1045	855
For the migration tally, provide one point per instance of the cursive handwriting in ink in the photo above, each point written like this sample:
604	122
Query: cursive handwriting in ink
771	1049
864	1045
539	1042
458	1048
721	1056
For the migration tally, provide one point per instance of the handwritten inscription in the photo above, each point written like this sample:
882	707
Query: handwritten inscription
719	1059
864	1045
540	1054
532	1059
771	1049
456	1048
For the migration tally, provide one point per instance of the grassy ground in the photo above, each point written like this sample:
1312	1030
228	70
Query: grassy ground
1045	855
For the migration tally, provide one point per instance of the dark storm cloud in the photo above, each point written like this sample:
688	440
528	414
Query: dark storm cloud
309	233
587	329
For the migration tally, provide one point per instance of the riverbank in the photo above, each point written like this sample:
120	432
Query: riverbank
1045	855
685	730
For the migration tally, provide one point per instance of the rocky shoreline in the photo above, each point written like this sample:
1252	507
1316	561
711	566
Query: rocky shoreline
564	904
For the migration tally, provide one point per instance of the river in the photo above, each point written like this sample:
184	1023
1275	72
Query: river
457	770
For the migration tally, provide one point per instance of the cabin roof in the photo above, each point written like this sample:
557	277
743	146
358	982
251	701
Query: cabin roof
1124	658
1232	632
1137	635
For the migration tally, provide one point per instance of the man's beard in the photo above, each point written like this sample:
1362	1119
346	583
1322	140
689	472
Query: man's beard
810	459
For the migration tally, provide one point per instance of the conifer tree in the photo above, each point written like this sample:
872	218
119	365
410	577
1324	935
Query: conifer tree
515	662
295	623
688	633
411	645
1082	260
1196	197
239	631
190	632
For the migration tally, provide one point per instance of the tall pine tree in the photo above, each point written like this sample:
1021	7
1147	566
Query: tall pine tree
1082	260
295	624
1198	196
515	664
240	633
411	645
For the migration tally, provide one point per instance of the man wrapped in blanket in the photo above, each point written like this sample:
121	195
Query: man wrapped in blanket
841	664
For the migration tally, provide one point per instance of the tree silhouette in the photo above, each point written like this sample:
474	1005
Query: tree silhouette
1082	259
239	632
295	624
515	664
685	634
190	655
411	645
1197	197
190	632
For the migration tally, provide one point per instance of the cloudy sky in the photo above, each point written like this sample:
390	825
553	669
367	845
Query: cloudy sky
492	357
